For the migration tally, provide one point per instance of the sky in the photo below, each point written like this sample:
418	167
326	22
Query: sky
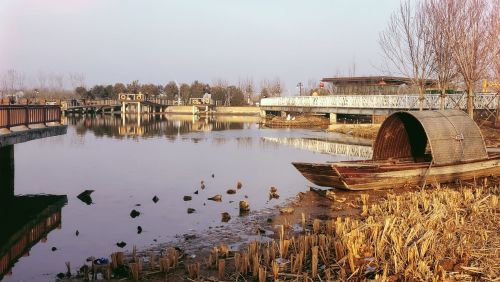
156	41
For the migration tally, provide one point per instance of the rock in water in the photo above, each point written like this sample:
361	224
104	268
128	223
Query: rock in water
196	192
187	198
225	217
85	197
273	195
239	185
244	207
139	229
121	244
190	210
77	233
216	198
213	175
54	249
231	191
156	199
273	189
134	213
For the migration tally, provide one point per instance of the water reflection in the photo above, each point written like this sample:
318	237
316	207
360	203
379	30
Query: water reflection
170	126
128	161
26	220
359	148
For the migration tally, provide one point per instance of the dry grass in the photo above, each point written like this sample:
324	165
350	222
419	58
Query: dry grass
298	121
368	131
428	235
491	135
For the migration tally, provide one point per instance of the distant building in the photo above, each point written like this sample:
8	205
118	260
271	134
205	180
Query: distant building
373	85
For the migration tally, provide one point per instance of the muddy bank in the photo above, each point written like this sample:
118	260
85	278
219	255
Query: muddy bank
400	234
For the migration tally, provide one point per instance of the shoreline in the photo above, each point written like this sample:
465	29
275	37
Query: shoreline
201	255
346	218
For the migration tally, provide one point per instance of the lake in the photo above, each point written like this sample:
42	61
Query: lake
129	160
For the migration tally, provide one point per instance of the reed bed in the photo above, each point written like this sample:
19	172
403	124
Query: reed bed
368	131
429	235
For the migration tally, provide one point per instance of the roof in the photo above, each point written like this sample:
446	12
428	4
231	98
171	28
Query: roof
373	80
450	135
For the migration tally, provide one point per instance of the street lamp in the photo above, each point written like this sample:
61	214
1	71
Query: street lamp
179	94
299	85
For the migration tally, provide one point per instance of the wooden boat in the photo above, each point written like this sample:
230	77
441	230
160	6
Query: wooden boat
413	148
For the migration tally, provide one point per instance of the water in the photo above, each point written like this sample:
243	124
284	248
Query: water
129	161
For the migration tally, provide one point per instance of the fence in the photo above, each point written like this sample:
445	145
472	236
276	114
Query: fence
407	102
16	115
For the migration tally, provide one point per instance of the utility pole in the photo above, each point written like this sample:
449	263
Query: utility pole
299	85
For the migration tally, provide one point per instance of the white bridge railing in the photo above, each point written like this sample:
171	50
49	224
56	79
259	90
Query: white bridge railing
407	102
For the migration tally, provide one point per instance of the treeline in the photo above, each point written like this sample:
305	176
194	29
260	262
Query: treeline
221	91
55	86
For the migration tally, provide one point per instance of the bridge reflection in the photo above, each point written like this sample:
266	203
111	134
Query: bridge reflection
360	148
131	126
26	220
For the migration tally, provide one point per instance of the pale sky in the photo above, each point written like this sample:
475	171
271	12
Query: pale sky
161	40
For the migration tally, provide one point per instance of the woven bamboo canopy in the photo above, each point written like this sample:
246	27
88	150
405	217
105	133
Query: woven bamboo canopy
445	136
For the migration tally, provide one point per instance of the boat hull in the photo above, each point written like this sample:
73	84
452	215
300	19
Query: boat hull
370	175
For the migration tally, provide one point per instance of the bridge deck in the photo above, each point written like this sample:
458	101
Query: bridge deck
21	123
375	104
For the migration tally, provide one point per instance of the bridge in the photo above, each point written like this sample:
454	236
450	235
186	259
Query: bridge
22	123
90	106
380	105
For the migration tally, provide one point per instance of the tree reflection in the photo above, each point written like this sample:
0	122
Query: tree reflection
146	126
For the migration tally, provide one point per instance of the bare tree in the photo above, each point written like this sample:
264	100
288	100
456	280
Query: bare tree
276	87
495	41
76	79
352	69
472	50
11	78
247	87
3	84
406	45
42	81
439	15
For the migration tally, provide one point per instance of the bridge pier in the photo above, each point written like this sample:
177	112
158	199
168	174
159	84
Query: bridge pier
6	173
333	118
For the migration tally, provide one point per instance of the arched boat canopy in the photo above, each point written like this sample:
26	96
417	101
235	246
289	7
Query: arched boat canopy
445	136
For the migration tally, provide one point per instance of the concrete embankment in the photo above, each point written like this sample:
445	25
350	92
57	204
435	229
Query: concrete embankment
182	110
191	110
251	111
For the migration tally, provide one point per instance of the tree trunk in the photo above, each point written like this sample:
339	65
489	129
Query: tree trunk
442	98
421	98
497	119
470	101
